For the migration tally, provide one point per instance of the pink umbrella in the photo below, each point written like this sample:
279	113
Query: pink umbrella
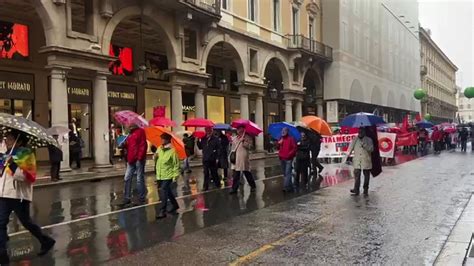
128	118
198	122
162	122
250	127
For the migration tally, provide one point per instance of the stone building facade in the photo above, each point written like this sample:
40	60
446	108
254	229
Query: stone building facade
465	107
376	57
262	60
438	74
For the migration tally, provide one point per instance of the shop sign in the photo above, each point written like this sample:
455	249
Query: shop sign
122	95
16	86
188	108
79	91
332	108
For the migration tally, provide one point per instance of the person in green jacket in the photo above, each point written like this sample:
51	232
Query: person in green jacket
167	171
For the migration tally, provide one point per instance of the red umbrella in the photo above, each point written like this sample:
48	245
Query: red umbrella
450	130
128	118
199	134
250	127
162	122
198	122
395	130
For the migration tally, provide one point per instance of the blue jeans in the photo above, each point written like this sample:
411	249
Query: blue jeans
287	169
186	164
139	168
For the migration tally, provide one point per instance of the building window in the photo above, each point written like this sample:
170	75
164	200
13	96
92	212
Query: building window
345	33
233	81
217	74
276	15
252	9
296	21
81	14
190	43
234	109
311	29
225	4
253	60
356	42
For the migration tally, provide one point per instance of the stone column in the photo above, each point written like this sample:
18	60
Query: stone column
288	110
100	120
177	107
298	110
199	102
59	113
244	106
259	121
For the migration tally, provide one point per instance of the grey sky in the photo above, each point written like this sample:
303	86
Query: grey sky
452	28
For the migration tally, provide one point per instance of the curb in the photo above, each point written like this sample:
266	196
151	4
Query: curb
96	177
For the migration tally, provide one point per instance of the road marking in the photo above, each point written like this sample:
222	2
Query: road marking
267	247
129	209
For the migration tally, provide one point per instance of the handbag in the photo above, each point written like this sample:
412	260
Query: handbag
233	154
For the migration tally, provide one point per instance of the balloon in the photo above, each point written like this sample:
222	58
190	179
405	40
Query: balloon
420	94
469	92
428	117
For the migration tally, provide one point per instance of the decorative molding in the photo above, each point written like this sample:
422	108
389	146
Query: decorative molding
313	9
106	10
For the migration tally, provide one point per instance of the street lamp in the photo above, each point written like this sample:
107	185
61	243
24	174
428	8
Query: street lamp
142	74
223	83
273	93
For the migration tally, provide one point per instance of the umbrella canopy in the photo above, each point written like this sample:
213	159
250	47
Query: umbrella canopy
162	122
317	124
198	122
199	134
362	120
153	135
225	127
128	118
250	127
36	134
275	130
424	124
450	130
57	130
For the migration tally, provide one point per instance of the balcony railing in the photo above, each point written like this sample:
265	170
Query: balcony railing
213	6
312	46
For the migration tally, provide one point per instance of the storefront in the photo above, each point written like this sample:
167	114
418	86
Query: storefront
16	93
215	108
80	108
157	100
120	98
189	106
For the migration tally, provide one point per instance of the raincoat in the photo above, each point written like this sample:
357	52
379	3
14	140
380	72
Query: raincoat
241	145
362	149
18	176
167	164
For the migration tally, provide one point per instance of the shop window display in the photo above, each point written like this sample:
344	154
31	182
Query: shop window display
79	122
13	41
123	66
157	98
234	109
16	107
215	108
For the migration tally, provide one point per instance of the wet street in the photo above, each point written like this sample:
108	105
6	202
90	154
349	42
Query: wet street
411	210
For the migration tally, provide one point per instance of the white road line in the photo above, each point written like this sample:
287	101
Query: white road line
126	209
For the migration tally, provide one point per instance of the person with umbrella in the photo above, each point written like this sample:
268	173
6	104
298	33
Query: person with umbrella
18	169
362	146
286	153
240	159
136	147
167	171
210	147
463	135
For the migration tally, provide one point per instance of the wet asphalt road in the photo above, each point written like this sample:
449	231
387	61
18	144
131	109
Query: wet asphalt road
410	212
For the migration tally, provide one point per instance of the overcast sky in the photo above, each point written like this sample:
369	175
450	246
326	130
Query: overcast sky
452	28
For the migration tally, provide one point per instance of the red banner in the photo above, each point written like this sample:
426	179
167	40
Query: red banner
407	139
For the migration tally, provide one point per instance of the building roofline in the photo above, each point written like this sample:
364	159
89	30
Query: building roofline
425	34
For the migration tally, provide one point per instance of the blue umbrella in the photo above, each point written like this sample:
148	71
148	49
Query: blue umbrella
224	127
425	124
362	120
275	130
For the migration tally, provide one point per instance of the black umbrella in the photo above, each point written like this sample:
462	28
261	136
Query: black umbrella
37	135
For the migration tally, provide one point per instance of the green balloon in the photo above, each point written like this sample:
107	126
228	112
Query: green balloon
469	92
419	94
428	117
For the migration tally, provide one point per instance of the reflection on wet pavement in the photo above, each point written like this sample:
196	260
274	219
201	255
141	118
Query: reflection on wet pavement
91	228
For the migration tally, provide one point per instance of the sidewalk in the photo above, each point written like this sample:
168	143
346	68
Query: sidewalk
88	173
458	241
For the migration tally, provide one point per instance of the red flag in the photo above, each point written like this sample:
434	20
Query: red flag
418	117
405	125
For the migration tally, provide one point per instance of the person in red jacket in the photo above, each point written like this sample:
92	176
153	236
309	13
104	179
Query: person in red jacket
437	137
136	147
286	153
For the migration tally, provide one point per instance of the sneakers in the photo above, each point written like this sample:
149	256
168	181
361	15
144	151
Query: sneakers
46	246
